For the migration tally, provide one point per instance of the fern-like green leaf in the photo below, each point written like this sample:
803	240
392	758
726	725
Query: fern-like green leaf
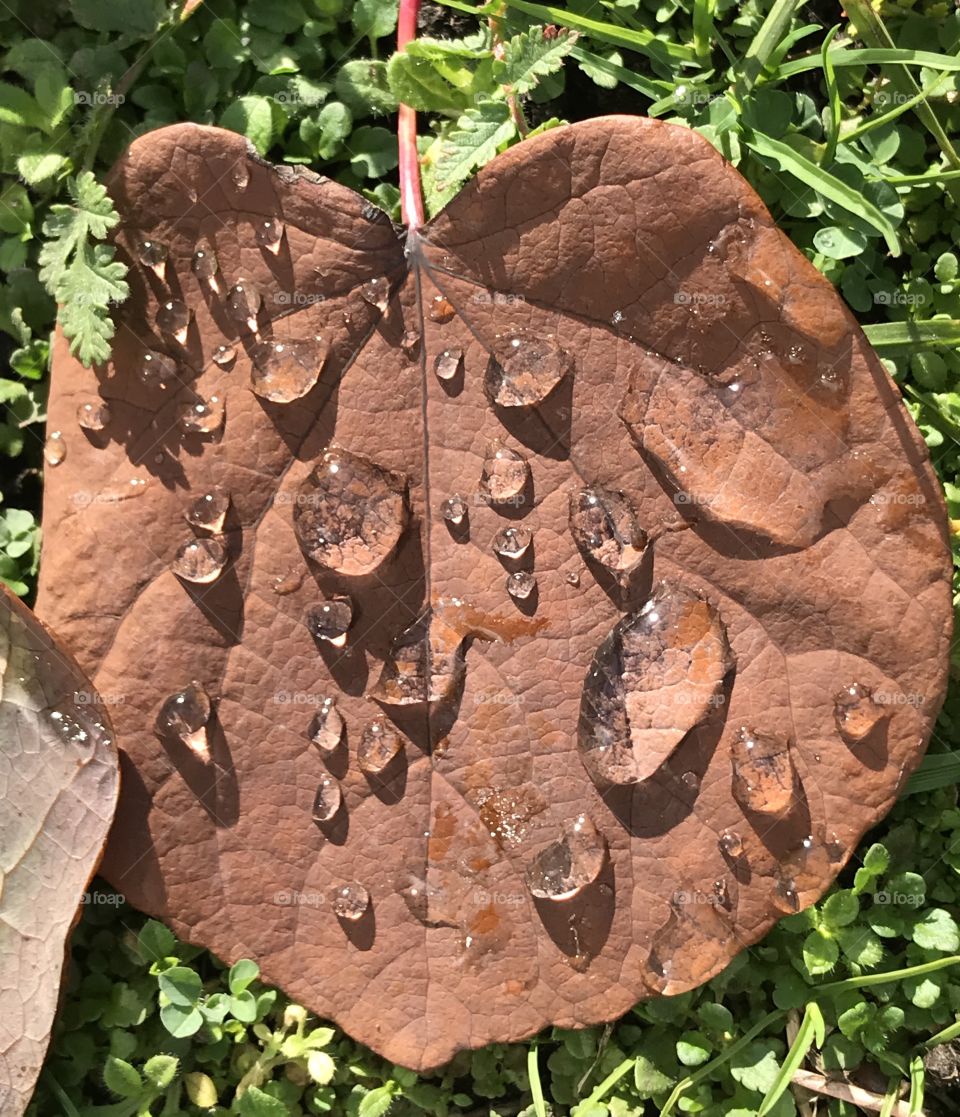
532	55
473	142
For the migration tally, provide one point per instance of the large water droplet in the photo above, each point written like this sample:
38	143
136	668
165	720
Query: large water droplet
327	801
269	234
186	716
454	509
204	264
380	745
693	942
55	448
331	620
283	371
526	369
208	511
505	474
243	305
764	778
657	676
429	903
604	526
441	309
448	363
377	292
350	514
520	584
290	582
94	415
173	319
857	713
326	727
202	416
731	844
566	867
224	355
350	901
200	561
157	369
425	663
512	542
153	255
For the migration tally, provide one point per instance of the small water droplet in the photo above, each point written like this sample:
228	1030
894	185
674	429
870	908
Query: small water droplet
377	292
568	866
573	578
428	903
410	344
173	319
269	234
157	369
786	898
243	305
441	309
616	318
240	175
208	511
290	582
525	370
520	584
380	745
731	844
454	509
204	264
765	780
202	416
350	901
349	513
93	415
55	448
331	620
512	542
153	255
505	474
186	716
284	371
326	727
691	780
224	355
200	561
448	363
604	527
327	801
835	849
857	713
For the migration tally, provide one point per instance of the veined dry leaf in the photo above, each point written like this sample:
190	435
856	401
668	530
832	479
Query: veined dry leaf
58	790
534	610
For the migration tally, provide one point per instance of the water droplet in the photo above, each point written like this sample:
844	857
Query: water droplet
786	898
350	514
173	319
157	370
520	584
448	363
202	416
410	344
573	578
55	448
425	663
835	849
350	901
616	318
731	844
454	509
505	474
525	370
240	175
224	355
428	903
200	561
380	745
512	542
857	713
204	264
691	780
284	371
93	415
569	865
658	675
208	511
243	305
153	255
331	620
765	780
604	527
505	812
290	582
327	801
694	940
441	309
269	234
186	715
377	292
326	727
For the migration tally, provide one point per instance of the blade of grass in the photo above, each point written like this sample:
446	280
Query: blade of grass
942	769
891	1097
912	335
649	87
868	56
703	28
769	36
833	95
917	1075
812	1027
944	1036
536	1087
897	110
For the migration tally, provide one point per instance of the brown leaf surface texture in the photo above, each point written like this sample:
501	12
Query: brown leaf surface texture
567	583
58	791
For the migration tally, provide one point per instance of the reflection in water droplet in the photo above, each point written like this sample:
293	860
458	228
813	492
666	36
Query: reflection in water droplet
731	844
691	780
573	578
283	371
569	865
331	620
326	727
290	582
765	780
448	363
243	305
202	416
425	663
327	801
200	561
153	255
93	415
520	584
505	812
604	527
173	319
410	344
657	676
454	509
441	309
377	292
185	715
857	713
224	355
209	511
525	369
835	849
349	513
240	175
512	542
505	474
157	369
204	264
380	745
55	448
785	895
269	234
350	901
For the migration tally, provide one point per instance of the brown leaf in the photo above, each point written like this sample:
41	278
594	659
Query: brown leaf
581	600
58	790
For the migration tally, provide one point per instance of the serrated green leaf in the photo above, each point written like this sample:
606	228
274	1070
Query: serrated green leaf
820	953
937	930
416	82
364	87
19	108
121	1078
473	142
532	55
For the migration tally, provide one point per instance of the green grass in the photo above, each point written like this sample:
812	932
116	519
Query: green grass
847	131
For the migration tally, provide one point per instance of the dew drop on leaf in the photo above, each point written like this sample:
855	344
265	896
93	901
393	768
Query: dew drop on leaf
454	509
448	363
204	264
208	511
326	727
327	801
765	780
173	319
525	369
331	620
520	584
185	715
380	745
504	475
93	415
283	371
202	416
376	292
157	369
224	355
55	448
269	234
243	305
857	713
441	309
350	901
512	542
731	844
569	865
604	527
200	561
153	255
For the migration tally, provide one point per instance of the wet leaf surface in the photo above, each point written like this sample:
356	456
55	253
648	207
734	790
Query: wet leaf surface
581	580
58	790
